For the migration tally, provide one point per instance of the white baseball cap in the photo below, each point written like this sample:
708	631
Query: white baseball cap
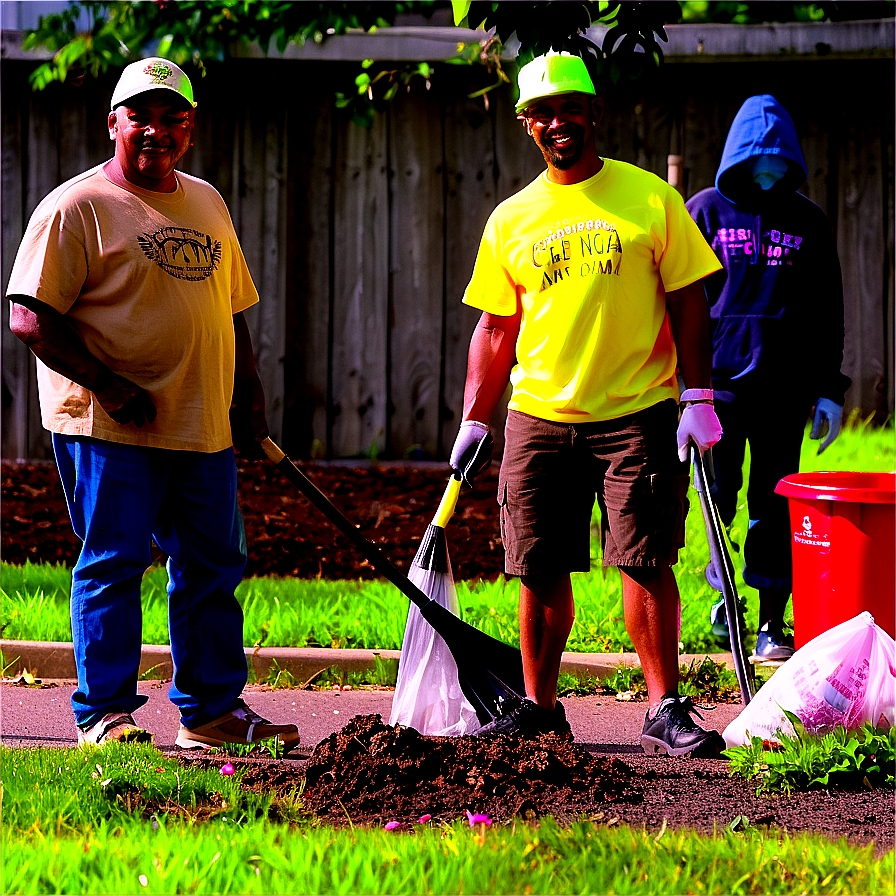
153	73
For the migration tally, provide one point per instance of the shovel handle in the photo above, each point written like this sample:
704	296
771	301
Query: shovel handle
370	551
448	503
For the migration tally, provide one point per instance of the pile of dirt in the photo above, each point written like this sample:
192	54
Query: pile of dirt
370	774
287	536
381	773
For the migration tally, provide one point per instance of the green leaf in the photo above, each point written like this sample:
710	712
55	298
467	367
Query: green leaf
461	9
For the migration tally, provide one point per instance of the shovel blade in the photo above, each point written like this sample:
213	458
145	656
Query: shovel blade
490	672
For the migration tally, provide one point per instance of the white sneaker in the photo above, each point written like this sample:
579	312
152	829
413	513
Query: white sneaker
114	726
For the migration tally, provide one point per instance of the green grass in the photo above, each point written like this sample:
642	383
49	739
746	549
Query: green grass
283	612
128	820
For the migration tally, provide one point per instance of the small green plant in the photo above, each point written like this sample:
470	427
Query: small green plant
704	680
278	677
152	673
626	680
708	680
273	746
6	666
384	674
840	759
578	685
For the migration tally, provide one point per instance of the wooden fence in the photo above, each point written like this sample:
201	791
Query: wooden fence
361	241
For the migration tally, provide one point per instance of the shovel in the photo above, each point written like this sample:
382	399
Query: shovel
489	671
721	560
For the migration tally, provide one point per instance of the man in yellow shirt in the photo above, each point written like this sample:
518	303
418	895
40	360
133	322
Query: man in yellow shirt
129	287
589	280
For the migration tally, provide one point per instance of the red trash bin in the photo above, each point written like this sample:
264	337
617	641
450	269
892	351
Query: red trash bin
844	549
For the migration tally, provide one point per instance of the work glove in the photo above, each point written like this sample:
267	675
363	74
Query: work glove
698	423
472	451
828	415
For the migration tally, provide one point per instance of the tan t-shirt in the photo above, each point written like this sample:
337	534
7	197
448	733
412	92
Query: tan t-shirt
151	282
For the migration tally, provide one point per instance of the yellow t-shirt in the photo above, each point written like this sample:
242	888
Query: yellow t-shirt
150	281
591	263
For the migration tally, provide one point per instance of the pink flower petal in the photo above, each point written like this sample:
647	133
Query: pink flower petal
227	769
423	819
477	819
391	825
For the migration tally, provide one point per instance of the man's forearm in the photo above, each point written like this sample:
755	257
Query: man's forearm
491	359
51	339
689	318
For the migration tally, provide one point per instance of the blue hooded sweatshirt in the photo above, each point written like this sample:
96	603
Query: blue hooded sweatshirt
777	309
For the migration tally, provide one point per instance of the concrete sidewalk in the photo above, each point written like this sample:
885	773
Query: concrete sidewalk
32	716
56	660
42	716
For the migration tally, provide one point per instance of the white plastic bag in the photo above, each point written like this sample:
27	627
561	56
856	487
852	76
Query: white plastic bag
845	676
428	695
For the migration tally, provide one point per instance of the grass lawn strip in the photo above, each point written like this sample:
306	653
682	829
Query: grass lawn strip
114	821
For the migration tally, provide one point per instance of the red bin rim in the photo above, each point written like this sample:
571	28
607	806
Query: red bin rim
841	485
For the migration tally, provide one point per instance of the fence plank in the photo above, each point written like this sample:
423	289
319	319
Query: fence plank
357	394
470	199
416	274
19	391
865	350
309	286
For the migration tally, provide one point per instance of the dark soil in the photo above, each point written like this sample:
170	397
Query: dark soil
372	774
369	773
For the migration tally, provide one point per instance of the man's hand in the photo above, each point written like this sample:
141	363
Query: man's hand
248	423
828	415
699	423
52	339
125	402
472	451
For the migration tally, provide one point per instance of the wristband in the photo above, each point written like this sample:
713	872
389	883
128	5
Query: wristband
697	395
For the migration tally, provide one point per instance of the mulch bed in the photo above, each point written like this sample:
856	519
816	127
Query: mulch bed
287	536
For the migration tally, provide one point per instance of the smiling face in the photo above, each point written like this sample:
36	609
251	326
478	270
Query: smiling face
563	129
152	132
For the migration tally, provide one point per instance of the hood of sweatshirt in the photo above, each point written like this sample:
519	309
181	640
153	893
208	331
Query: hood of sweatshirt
761	127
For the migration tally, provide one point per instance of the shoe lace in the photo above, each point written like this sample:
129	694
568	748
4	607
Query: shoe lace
253	718
681	717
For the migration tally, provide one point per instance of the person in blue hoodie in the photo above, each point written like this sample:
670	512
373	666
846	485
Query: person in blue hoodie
777	317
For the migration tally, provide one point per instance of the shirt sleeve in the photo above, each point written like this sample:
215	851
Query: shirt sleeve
492	287
686	257
51	264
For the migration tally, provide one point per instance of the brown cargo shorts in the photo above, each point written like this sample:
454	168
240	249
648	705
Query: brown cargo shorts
552	472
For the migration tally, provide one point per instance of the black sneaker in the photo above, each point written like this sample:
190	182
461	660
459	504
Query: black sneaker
527	719
772	646
673	731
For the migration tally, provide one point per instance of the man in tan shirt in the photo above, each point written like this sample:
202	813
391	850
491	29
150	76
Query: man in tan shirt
129	287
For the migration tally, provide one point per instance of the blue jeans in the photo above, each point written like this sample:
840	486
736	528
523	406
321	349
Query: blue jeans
120	498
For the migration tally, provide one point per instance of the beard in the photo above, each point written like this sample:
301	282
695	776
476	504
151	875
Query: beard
564	159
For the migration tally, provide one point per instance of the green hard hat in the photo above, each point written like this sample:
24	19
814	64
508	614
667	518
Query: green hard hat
553	74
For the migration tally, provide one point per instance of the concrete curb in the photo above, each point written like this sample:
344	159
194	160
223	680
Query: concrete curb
56	659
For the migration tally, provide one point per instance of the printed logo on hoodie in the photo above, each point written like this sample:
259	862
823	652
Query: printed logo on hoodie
739	244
